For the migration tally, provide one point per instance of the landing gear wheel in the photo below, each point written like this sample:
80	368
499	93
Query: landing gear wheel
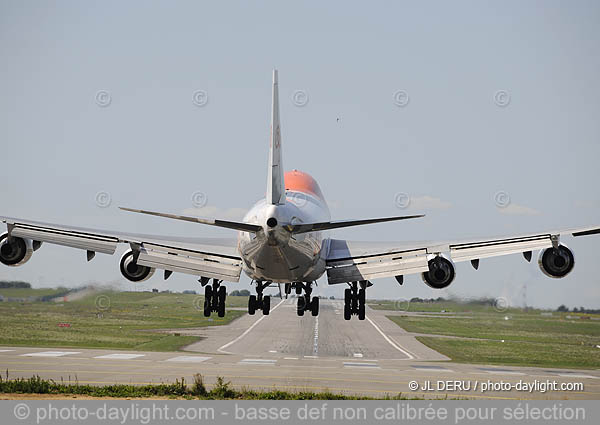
347	311
251	305
361	312
207	301
301	303
266	305
362	295
221	301
355	299
314	307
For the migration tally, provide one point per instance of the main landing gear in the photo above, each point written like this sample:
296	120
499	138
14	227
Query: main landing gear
214	298
304	301
354	299
258	301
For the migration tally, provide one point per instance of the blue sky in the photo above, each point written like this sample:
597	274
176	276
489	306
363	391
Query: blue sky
502	97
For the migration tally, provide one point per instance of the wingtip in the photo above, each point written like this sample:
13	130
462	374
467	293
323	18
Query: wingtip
275	76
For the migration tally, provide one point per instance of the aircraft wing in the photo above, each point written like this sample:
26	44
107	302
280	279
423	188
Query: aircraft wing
207	257
349	261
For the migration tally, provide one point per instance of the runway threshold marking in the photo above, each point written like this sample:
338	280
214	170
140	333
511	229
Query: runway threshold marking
119	356
575	375
51	353
246	332
432	368
258	361
392	343
362	365
188	359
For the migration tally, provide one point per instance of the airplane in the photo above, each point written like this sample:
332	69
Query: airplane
281	240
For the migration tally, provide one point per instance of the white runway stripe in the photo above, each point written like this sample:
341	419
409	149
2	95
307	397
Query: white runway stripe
5	351
392	343
432	369
120	356
258	361
51	353
575	375
365	365
188	359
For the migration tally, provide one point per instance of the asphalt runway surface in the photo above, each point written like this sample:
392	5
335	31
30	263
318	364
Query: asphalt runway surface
374	357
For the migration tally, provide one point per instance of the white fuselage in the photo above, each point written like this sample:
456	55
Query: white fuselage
275	254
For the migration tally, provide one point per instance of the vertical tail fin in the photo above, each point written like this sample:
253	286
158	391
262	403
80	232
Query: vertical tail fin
275	184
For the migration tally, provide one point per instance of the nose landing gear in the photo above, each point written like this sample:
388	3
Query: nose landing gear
258	301
304	301
214	298
354	299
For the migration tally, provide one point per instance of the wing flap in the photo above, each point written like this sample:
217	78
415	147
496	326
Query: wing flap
495	248
376	266
190	262
74	239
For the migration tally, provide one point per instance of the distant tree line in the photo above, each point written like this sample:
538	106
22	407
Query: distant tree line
241	293
14	284
564	309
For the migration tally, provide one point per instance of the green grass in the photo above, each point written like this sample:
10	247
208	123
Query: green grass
221	390
530	339
515	353
117	320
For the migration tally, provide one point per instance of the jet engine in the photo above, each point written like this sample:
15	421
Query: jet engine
16	252
133	271
556	262
441	272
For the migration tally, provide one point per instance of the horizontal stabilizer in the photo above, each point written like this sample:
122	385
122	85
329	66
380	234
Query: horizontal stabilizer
328	225
244	227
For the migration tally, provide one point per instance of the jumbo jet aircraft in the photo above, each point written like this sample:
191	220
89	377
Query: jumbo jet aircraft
281	241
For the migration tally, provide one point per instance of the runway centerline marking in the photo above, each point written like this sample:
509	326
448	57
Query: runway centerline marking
246	332
392	343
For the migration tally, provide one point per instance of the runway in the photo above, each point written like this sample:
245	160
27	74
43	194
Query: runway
374	357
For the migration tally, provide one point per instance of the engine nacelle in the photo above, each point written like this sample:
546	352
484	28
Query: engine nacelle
132	271
556	262
16	252
441	272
